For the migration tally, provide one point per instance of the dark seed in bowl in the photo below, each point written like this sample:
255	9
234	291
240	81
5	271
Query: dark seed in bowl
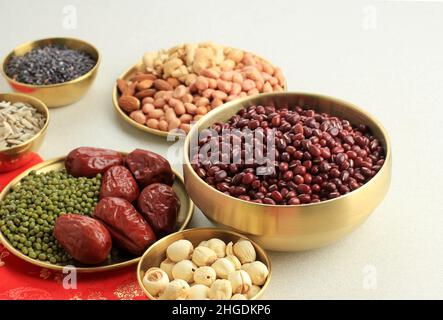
49	64
305	156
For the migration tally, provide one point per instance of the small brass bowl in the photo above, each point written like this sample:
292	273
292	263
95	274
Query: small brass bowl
17	156
115	95
121	258
60	94
157	252
291	227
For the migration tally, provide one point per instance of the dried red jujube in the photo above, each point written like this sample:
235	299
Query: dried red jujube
84	238
89	161
160	206
127	227
118	182
149	167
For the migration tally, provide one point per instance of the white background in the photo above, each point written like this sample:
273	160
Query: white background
386	56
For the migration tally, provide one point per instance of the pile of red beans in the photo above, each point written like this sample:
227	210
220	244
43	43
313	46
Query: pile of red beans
317	156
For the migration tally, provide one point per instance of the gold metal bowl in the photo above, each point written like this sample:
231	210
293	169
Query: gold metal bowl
126	75
120	258
17	156
60	94
291	227
157	252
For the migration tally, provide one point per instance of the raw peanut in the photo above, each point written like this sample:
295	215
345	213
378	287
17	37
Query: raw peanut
259	66
190	78
242	94
253	92
190	108
224	86
237	78
227	75
173	82
265	76
231	97
227	65
201	111
187	98
147	107
277	88
185	118
166	107
267	68
147	100
129	103
248	59
253	74
259	85
185	127
122	86
216	102
198	117
202	101
161	84
138	116
218	94
145	93
143	76
267	87
145	84
207	93
192	88
167	95
273	81
201	83
236	55
179	92
170	115
248	84
159	103
178	106
279	75
157	113
236	88
210	73
213	83
152	123
163	125
173	124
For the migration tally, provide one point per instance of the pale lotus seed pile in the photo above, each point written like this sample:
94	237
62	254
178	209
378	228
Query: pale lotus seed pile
213	270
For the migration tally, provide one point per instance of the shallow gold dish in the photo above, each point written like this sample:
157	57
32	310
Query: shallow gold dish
17	156
157	252
60	94
115	95
291	227
119	258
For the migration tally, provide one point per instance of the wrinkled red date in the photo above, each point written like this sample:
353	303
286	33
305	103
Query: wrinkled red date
88	161
149	167
160	206
127	227
119	182
84	238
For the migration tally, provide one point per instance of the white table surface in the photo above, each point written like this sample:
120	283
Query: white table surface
386	56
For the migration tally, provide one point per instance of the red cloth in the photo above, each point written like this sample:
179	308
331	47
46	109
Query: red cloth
22	280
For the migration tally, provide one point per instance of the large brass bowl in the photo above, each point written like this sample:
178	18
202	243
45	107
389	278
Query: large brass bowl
60	94
157	252
17	156
126	75
292	227
119	258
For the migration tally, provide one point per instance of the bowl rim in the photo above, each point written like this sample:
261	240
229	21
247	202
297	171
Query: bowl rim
42	129
174	136
91	269
230	104
41	86
257	247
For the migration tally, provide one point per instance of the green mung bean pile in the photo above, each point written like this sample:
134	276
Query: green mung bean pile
29	211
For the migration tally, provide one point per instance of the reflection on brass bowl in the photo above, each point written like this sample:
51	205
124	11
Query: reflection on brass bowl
17	156
60	94
291	227
157	252
119	258
126	75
